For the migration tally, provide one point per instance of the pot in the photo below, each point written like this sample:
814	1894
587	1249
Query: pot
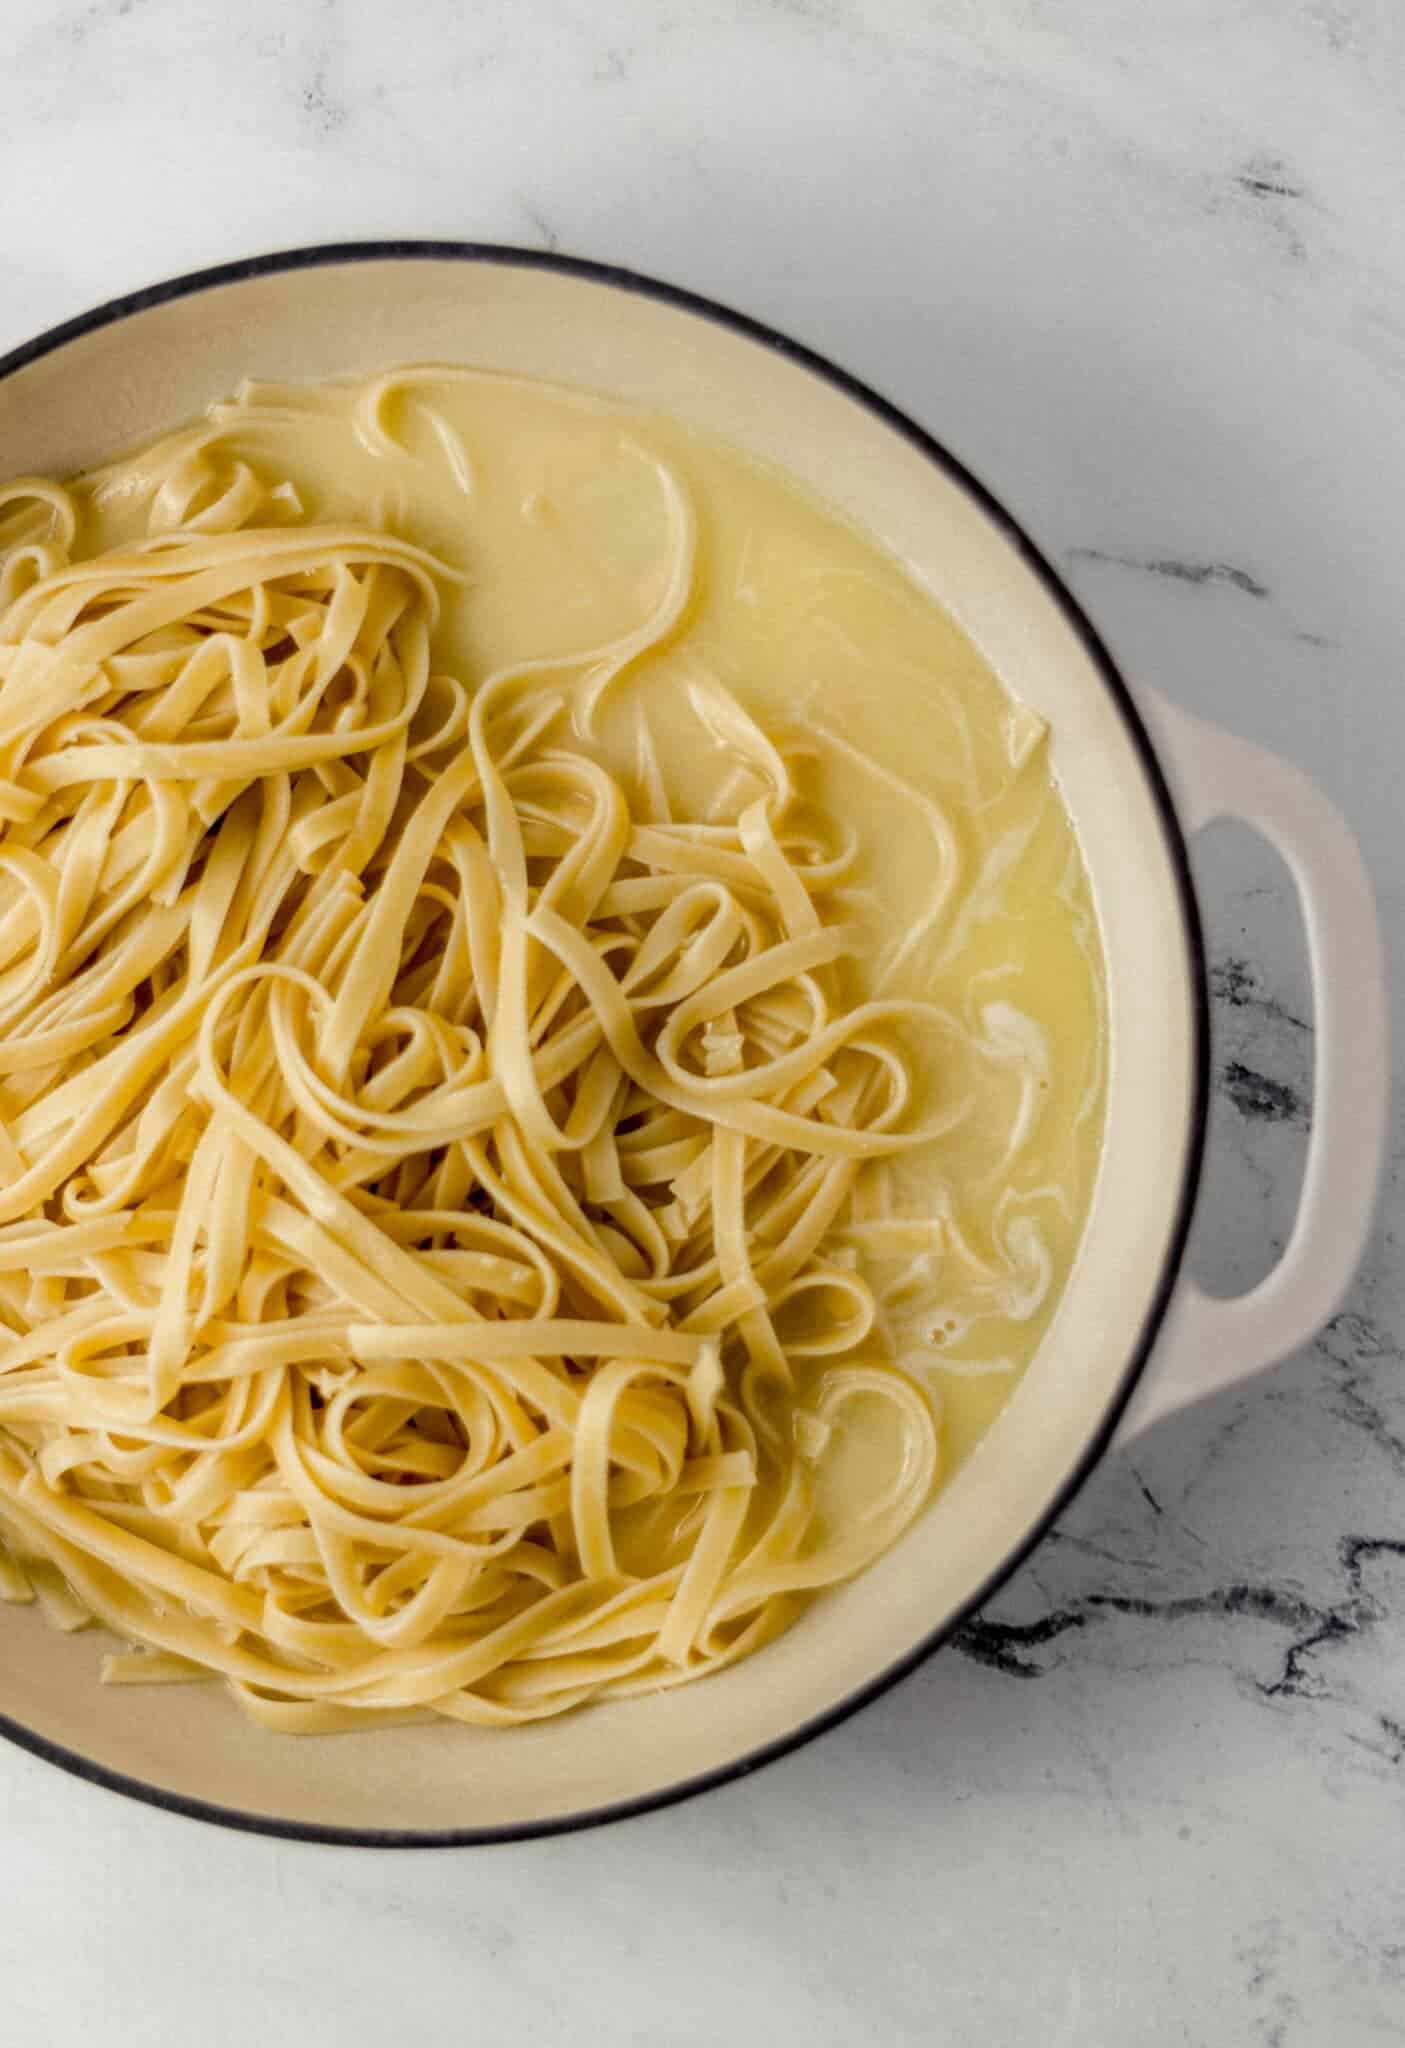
1132	1339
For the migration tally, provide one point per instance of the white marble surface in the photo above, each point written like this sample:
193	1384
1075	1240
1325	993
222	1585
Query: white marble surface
1144	268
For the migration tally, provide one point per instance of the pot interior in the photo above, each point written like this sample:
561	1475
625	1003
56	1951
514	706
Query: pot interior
157	366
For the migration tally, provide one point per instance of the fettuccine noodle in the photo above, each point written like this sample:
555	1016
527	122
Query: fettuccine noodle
433	1176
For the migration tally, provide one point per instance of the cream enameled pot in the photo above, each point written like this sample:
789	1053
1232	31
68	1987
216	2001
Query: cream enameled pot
1132	1339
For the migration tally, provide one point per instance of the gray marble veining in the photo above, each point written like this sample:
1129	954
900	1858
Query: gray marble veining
1144	269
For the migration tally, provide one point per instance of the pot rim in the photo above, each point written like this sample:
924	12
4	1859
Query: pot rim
408	249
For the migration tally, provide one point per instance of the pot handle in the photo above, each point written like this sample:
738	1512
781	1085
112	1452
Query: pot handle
1205	1344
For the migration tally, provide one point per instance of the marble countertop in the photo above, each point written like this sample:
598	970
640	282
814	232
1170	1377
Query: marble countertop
1144	269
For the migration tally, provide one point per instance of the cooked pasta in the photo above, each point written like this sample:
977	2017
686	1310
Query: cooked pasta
442	1204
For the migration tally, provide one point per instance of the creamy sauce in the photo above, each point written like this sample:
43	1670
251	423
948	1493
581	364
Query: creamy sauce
551	504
